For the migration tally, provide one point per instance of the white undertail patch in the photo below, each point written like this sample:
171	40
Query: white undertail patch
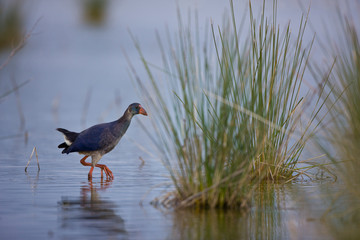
67	141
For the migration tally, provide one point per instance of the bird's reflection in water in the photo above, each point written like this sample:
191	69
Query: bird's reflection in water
91	216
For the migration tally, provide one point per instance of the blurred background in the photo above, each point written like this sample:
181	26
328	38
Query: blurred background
75	59
72	71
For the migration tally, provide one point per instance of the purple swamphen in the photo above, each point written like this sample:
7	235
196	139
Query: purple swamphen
99	139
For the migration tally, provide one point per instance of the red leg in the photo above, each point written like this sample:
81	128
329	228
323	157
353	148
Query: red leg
90	173
103	167
82	161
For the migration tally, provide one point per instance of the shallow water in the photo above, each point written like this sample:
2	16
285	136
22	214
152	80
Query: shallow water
79	78
60	203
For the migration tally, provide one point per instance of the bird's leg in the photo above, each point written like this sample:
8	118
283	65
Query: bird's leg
103	167
82	161
90	173
107	171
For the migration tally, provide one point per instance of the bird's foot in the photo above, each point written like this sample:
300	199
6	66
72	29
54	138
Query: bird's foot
107	171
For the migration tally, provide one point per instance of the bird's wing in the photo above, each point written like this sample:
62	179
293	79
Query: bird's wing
90	139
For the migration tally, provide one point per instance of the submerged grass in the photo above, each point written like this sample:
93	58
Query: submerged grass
235	114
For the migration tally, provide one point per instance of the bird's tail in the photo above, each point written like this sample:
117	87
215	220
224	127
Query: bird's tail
69	138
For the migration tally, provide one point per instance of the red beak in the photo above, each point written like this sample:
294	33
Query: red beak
142	111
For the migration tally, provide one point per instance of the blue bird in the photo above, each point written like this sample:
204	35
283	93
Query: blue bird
99	139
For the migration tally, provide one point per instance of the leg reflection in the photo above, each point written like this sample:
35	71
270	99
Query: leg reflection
90	214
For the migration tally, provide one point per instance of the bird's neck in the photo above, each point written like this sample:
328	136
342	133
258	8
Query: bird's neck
126	117
123	123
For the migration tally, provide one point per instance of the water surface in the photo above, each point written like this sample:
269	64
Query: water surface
79	77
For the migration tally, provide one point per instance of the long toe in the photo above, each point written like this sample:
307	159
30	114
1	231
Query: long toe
107	171
111	174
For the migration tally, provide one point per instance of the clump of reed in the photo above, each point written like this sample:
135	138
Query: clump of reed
234	116
344	130
341	139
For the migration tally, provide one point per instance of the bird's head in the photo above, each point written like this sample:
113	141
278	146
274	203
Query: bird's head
136	108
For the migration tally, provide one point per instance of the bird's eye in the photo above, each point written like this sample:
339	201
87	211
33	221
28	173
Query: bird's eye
137	107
